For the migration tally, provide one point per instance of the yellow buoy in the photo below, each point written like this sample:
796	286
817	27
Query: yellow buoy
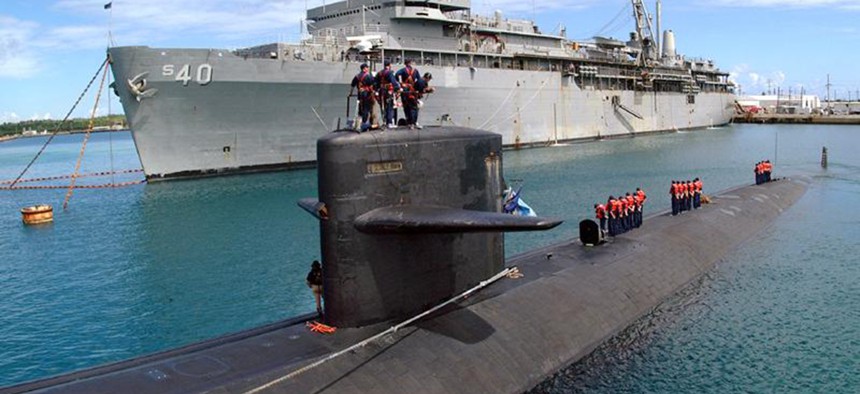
38	214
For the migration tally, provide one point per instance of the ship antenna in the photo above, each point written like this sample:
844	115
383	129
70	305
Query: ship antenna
109	8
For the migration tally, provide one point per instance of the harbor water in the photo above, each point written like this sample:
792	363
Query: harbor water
130	271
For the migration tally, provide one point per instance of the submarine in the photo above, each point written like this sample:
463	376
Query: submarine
417	284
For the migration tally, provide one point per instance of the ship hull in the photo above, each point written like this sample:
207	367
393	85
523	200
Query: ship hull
195	112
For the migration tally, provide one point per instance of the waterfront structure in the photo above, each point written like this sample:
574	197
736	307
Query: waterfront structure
781	104
210	111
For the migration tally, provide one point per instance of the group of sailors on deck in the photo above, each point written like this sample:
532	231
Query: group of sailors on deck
622	214
686	195
762	172
384	92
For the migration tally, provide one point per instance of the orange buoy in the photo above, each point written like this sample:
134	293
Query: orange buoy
38	214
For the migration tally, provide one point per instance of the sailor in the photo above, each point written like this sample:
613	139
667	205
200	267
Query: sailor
673	193
408	77
315	282
600	214
642	197
768	168
758	170
637	211
622	209
697	185
691	191
688	196
388	88
613	215
422	87
631	211
364	82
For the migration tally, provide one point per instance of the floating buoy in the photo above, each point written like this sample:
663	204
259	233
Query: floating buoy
37	214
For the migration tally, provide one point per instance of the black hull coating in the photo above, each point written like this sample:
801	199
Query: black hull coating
371	278
507	338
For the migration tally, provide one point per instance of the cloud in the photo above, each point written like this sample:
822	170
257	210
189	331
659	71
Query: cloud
754	82
9	117
519	7
17	59
164	20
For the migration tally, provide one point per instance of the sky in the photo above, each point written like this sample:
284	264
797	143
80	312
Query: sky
51	49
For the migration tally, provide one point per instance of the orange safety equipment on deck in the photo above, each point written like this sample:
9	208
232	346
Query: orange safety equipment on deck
320	328
698	186
641	195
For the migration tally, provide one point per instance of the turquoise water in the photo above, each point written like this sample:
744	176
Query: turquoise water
779	315
130	271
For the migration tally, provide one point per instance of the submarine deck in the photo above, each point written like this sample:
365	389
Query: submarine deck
507	338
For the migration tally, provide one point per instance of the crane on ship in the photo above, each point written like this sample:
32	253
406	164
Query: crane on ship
644	32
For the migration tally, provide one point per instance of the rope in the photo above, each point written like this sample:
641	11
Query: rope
499	108
60	126
102	186
110	129
86	137
380	335
532	98
58	177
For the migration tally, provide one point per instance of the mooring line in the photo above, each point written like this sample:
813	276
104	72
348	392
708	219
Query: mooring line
59	177
86	138
60	126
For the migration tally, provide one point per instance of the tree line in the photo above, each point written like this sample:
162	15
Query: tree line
51	125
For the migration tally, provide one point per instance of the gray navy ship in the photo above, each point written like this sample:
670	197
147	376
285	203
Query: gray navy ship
213	111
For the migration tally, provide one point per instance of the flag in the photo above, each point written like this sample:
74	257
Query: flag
108	5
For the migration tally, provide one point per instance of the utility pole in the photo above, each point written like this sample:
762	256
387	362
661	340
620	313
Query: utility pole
777	99
801	97
828	92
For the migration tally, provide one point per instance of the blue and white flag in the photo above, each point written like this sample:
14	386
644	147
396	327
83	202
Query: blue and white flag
515	205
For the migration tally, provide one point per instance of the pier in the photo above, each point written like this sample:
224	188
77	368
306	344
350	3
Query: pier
798	119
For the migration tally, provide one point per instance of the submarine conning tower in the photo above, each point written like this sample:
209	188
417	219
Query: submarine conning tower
409	218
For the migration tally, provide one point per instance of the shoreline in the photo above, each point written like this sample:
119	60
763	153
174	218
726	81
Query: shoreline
12	137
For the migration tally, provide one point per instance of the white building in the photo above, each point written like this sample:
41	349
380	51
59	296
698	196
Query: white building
784	104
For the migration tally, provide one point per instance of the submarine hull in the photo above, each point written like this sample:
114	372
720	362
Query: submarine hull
507	338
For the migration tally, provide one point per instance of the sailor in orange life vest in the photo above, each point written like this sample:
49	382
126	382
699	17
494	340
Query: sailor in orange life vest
674	194
365	84
600	214
409	78
640	200
613	215
388	88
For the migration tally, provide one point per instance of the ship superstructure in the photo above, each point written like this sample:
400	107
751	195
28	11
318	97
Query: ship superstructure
205	111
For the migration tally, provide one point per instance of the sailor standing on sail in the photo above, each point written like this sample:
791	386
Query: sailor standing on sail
421	87
388	87
408	78
365	84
